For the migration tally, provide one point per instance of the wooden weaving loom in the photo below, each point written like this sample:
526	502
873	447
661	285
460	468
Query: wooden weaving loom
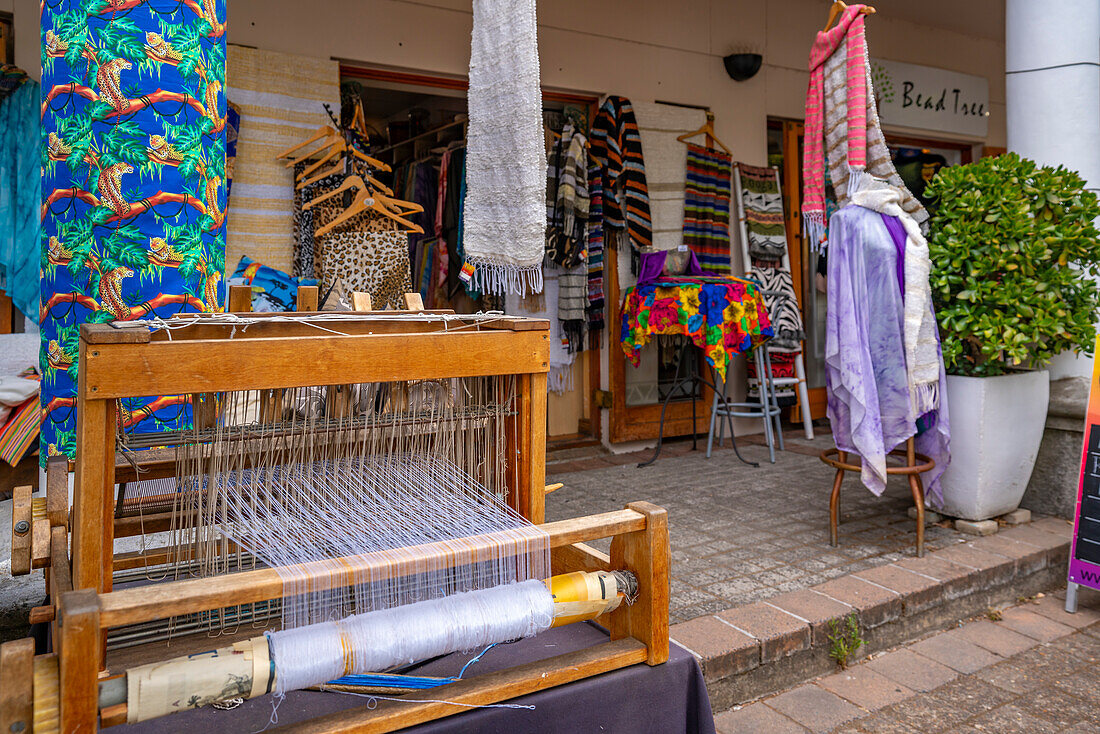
78	684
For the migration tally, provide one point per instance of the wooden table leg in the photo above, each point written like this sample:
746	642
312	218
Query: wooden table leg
917	489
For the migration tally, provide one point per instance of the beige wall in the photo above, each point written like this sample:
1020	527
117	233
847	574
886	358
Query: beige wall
642	49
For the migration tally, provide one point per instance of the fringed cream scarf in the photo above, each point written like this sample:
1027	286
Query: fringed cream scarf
504	219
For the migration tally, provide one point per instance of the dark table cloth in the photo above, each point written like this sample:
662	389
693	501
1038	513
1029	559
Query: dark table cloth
640	699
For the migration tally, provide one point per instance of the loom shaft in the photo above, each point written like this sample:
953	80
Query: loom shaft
246	669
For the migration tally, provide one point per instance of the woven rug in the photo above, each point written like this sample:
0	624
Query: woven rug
281	101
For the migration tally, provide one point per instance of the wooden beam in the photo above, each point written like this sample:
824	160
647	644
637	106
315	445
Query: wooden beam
360	301
307	298
47	694
536	473
16	685
645	553
131	525
413	302
78	613
42	615
239	299
60	579
57	490
503	685
22	537
127	606
174	367
40	543
93	511
578	557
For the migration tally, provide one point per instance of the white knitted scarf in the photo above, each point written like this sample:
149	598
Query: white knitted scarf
922	361
504	218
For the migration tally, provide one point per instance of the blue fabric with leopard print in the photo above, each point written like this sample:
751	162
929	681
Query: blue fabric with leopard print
133	184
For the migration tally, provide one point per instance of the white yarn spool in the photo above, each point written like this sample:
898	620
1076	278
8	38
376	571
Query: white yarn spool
376	641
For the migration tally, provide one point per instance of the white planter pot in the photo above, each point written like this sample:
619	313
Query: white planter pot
996	427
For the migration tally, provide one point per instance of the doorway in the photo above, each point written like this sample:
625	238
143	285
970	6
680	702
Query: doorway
413	120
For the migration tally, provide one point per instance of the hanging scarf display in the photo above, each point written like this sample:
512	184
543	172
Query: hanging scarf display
617	147
869	384
133	185
505	215
842	125
707	208
595	249
20	193
922	358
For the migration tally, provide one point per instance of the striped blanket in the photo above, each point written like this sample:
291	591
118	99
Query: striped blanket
707	208
617	147
21	431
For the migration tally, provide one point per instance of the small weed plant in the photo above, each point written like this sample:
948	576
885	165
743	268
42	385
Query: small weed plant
844	640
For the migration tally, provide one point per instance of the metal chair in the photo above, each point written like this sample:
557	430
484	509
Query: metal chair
723	411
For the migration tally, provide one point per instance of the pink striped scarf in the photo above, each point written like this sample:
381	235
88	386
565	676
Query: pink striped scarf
849	30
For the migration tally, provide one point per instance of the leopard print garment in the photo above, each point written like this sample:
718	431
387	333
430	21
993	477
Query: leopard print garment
368	253
306	263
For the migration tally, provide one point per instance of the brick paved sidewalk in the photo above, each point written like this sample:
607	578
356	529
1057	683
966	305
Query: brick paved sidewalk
741	534
1036	670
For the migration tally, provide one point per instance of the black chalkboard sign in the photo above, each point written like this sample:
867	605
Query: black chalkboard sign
1086	546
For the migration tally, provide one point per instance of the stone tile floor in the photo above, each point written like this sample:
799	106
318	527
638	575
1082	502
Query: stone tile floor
1036	670
741	534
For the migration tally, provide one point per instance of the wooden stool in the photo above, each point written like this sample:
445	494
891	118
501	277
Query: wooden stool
915	465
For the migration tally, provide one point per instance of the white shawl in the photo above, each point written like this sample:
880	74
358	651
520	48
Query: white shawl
504	219
921	356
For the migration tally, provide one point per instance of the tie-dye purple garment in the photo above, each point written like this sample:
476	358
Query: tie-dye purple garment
865	355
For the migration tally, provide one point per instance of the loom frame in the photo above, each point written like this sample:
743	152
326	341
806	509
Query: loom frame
132	362
639	633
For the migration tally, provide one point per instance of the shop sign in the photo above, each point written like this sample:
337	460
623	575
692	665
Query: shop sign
1084	554
925	97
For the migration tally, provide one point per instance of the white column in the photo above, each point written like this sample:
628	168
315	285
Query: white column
1052	66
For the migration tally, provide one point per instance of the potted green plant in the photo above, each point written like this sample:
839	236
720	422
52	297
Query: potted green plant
1014	264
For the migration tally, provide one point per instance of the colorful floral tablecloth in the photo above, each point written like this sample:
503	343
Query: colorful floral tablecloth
722	316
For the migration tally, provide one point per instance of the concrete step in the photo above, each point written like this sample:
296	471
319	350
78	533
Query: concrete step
557	456
766	646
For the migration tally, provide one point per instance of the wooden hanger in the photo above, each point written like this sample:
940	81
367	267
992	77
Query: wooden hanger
325	145
838	8
336	169
372	162
708	130
349	183
400	207
366	200
321	132
336	149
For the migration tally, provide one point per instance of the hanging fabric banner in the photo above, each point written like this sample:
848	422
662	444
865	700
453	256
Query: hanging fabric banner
133	210
505	209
